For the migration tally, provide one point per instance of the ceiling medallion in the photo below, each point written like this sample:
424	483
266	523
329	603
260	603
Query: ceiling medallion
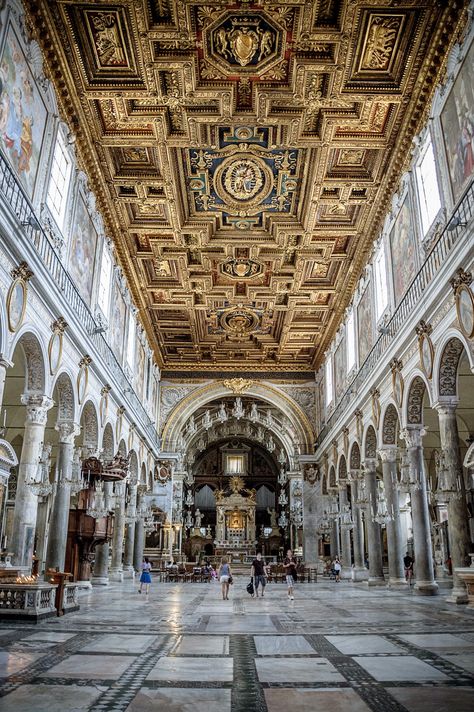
238	323
243	182
241	268
244	41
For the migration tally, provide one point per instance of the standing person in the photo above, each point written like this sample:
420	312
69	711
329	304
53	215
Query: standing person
145	578
408	564
225	577
258	574
337	567
290	568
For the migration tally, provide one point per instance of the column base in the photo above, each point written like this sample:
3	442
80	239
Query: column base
129	572
458	595
100	581
359	573
116	575
83	584
399	583
376	581
426	588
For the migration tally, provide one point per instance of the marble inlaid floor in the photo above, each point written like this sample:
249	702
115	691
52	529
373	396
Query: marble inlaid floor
334	648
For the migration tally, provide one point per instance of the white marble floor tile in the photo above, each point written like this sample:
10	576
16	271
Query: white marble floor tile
357	644
403	668
51	636
296	670
203	645
282	645
115	643
181	700
434	699
240	624
94	667
175	669
438	641
307	700
462	660
12	662
50	698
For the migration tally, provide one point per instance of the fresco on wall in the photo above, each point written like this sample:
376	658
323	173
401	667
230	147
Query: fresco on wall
140	370
365	325
340	368
457	119
22	113
82	252
117	322
403	252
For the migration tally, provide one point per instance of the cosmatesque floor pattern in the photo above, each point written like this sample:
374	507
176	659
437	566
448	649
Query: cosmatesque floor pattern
335	647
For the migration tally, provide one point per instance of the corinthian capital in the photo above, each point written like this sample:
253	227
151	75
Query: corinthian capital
67	430
388	454
413	435
37	407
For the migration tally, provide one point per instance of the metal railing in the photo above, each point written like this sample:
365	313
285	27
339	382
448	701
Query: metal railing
39	240
444	245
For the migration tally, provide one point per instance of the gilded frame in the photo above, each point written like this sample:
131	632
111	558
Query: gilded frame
427	368
82	383
464	289
56	337
15	323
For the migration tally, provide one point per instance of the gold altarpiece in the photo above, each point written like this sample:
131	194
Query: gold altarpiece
235	523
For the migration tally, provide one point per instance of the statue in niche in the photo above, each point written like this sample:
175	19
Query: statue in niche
189	520
283	499
282	478
191	425
253	413
44	464
198	519
260	433
283	521
269	420
273	516
270	444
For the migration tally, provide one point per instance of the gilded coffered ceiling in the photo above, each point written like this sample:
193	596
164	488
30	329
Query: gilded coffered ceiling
243	155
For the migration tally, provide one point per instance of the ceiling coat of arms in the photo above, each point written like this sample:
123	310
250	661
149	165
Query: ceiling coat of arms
244	40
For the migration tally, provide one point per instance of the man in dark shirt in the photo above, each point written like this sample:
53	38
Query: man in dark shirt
408	564
290	568
258	574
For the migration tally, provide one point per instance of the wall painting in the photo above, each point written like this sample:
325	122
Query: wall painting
365	325
83	250
403	252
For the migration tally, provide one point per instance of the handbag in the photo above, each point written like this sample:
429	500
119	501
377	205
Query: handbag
231	580
250	588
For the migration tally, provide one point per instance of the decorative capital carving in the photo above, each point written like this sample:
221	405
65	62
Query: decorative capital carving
58	326
85	361
395	365
370	464
22	271
461	277
423	328
413	436
37	407
237	385
446	407
105	389
68	430
388	454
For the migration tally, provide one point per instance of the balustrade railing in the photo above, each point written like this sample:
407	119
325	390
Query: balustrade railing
450	237
40	241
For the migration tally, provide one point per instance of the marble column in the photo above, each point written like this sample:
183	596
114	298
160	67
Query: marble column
374	538
58	525
345	529
359	572
425	583
334	546
458	527
100	576
42	515
26	502
128	568
4	365
116	568
396	572
139	540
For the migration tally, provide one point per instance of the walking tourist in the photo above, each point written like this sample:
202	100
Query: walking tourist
291	575
145	577
225	577
258	574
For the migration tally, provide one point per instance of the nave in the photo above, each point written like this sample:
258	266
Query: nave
335	647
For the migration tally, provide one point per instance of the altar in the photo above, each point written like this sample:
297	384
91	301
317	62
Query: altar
235	523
